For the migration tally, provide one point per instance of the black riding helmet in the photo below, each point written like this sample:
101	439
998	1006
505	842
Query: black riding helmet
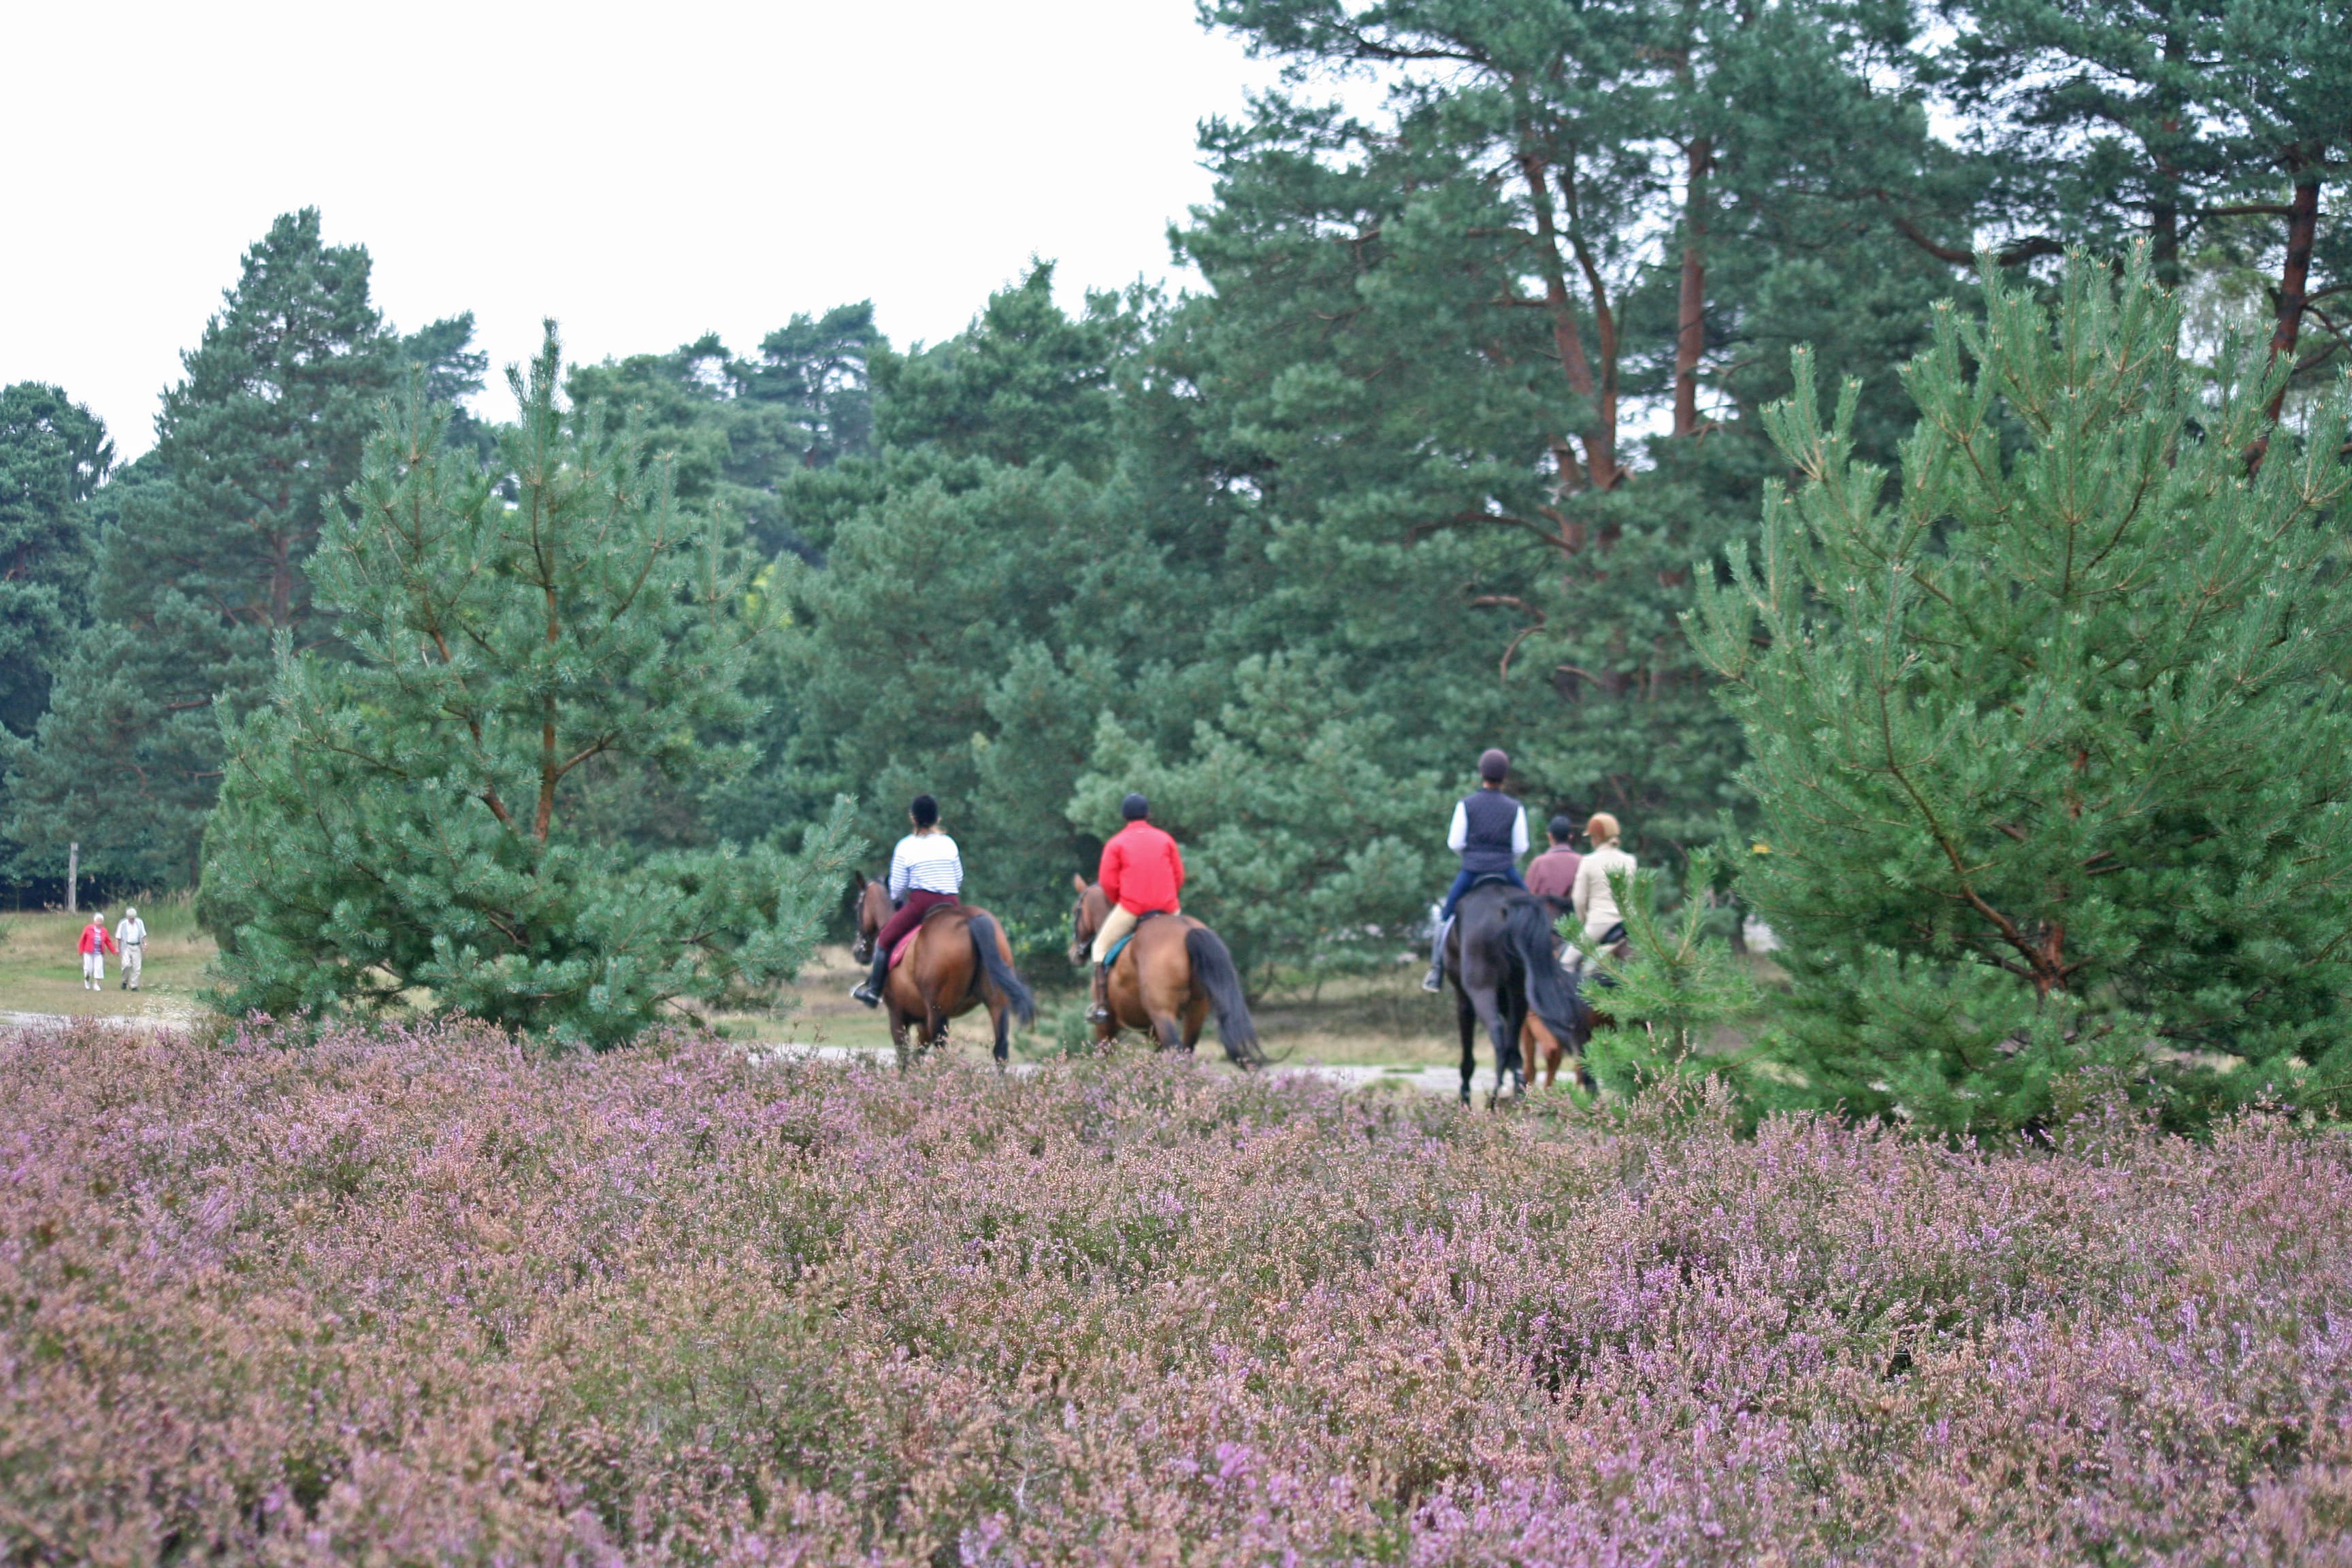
1135	808
925	811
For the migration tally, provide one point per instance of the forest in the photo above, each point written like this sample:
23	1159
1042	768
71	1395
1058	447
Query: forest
1469	409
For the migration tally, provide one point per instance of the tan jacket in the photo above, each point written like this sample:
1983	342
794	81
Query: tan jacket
1596	903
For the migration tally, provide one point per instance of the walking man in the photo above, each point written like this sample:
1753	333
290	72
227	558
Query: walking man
132	937
97	942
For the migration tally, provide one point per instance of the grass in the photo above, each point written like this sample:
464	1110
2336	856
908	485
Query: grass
1381	1019
40	963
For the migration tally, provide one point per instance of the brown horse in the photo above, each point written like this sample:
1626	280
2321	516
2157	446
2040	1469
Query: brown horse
959	961
1171	974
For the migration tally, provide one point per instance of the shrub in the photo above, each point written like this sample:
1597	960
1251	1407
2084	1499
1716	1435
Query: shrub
429	1296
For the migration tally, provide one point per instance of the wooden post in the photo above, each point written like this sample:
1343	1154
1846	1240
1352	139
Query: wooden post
73	873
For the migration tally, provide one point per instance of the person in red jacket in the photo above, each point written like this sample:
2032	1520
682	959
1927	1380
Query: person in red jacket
97	942
1143	873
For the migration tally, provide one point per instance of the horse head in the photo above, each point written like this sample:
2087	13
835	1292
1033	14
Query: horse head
873	910
1086	917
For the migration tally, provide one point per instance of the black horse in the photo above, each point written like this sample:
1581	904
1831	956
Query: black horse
1504	960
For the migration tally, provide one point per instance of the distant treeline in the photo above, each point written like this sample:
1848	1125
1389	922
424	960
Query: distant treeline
1469	403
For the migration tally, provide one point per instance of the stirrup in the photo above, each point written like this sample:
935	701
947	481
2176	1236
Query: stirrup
1434	981
862	992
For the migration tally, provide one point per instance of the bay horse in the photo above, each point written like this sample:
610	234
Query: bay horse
1503	958
1173	972
958	960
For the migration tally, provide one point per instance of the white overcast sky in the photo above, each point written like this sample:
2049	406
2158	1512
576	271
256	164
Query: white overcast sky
642	173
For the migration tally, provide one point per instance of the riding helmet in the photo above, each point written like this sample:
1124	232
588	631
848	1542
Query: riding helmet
1493	764
1135	808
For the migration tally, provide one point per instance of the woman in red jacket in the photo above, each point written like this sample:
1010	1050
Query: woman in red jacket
97	942
1142	874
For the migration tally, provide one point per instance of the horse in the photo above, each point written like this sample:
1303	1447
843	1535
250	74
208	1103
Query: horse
958	960
1173	972
1504	960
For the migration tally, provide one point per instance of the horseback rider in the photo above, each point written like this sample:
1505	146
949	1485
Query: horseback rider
1490	834
925	871
1143	873
1594	899
1552	874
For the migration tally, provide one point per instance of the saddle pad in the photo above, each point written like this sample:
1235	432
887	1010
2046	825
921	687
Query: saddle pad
899	953
1120	945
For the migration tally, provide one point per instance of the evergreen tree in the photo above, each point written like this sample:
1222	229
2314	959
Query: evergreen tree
405	818
1438	334
53	455
204	565
2052	743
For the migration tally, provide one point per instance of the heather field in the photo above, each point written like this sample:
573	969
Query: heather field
424	1298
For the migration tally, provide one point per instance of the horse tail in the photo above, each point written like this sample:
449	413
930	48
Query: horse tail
1213	972
1000	973
1528	931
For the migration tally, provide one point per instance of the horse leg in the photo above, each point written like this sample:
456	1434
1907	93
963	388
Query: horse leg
1196	1016
1468	1018
1165	1032
898	1027
1484	1001
996	1015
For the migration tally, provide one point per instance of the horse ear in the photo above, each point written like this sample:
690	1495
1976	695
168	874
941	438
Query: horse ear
1078	881
858	881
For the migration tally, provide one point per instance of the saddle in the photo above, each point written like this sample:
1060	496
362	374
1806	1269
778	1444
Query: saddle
1120	945
905	943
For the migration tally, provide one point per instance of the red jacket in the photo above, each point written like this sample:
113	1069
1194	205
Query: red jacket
1143	870
96	938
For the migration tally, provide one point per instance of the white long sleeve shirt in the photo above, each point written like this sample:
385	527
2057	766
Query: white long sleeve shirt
1459	834
928	862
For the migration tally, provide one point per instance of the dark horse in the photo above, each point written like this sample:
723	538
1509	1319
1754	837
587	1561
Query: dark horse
1504	961
1171	974
959	960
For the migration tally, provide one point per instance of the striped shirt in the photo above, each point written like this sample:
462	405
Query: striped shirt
926	862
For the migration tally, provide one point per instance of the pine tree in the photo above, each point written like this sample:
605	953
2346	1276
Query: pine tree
204	568
403	819
53	455
2052	743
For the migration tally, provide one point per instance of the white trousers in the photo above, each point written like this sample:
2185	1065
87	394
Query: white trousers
93	965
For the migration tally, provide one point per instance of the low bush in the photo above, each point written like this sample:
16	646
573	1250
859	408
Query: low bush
429	1296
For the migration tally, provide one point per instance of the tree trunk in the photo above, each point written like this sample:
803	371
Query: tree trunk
2164	213
73	875
1690	323
2295	275
1567	338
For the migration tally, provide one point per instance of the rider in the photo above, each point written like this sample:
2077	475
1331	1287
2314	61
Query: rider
1595	899
1143	873
925	872
1552	874
1490	834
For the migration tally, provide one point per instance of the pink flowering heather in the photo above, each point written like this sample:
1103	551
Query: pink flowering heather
430	1297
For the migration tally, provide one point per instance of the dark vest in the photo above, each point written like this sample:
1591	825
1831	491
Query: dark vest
1489	816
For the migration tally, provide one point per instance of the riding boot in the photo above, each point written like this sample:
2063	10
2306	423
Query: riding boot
869	991
1435	979
1100	982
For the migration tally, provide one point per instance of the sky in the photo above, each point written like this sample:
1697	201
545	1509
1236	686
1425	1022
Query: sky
644	174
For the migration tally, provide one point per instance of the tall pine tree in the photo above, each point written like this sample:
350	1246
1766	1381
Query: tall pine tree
204	565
